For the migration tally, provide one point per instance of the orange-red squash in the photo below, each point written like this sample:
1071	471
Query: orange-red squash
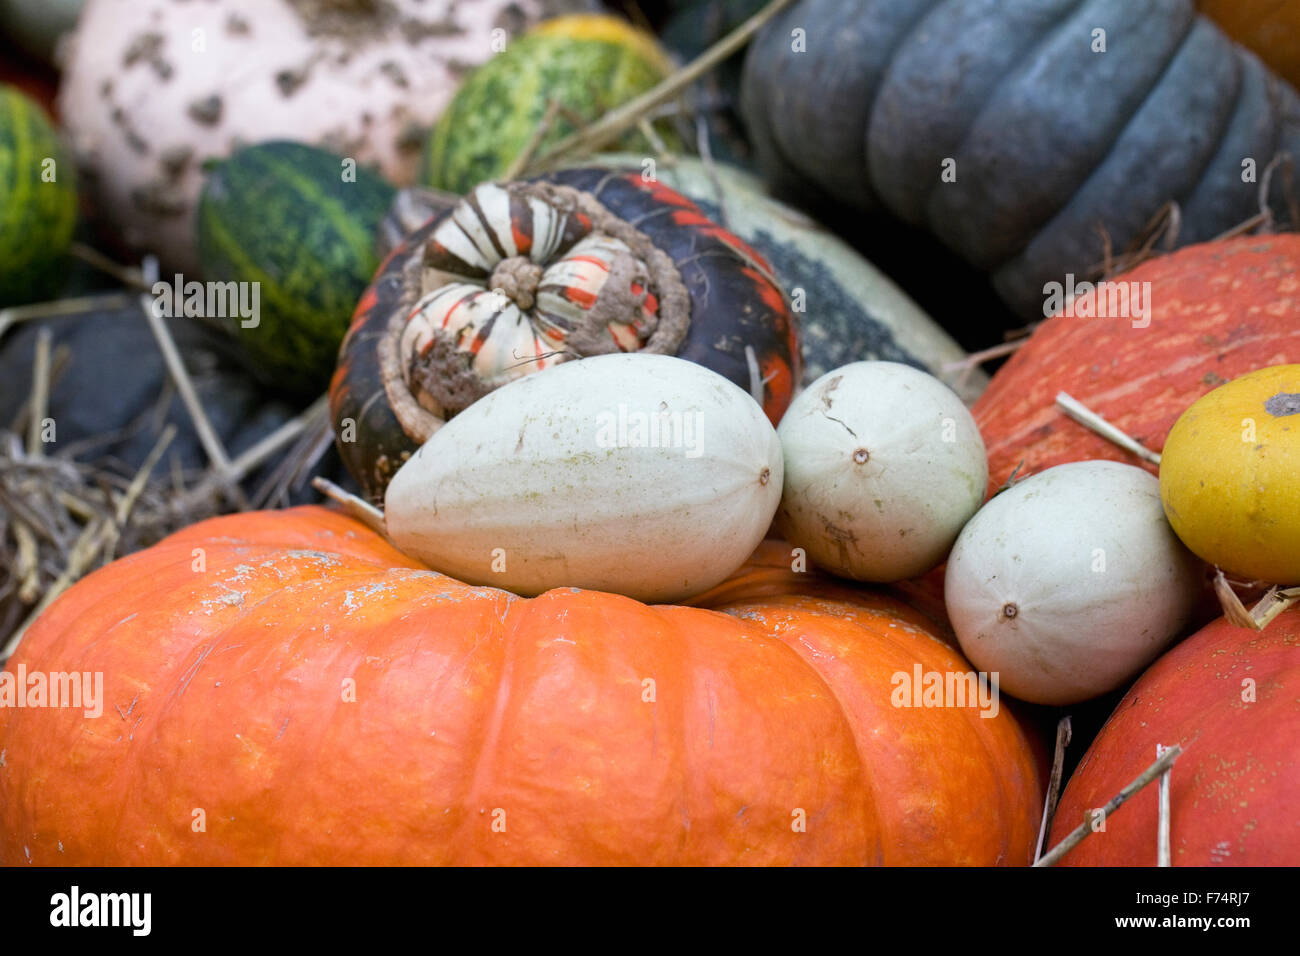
310	696
1271	28
1231	697
1218	310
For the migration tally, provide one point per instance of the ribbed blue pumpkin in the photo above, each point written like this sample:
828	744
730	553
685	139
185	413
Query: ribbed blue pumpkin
1029	136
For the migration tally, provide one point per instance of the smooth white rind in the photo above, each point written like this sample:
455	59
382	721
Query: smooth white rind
1098	579
895	515
521	476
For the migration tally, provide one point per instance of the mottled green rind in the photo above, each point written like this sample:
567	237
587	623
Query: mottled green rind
501	104
37	218
281	214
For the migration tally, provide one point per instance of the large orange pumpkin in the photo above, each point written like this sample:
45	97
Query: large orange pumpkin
286	688
1231	697
1218	310
775	570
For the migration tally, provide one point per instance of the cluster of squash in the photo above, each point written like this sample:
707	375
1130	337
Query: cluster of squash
1210	384
649	566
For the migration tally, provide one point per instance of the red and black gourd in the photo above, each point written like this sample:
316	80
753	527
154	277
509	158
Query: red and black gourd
1052	139
518	277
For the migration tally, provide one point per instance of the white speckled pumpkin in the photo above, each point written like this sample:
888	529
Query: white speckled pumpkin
153	88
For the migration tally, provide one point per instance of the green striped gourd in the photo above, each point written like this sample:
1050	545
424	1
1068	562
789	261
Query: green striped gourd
587	64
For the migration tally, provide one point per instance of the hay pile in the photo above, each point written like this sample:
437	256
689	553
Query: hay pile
64	514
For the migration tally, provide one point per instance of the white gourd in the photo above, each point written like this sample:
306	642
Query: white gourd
1070	582
644	475
883	466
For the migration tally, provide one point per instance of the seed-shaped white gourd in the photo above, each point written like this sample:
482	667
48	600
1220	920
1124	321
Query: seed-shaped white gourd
883	466
1070	582
644	475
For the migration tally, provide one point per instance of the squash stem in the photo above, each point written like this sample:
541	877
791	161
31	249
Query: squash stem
1087	417
1163	855
363	511
1274	602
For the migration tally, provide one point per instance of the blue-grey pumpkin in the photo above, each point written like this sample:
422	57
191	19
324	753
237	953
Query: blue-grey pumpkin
1063	120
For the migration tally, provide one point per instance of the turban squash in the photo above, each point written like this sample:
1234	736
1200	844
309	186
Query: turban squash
848	309
1052	141
1231	697
517	277
1218	311
577	727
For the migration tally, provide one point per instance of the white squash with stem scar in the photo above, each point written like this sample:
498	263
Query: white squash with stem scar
644	475
883	465
1068	583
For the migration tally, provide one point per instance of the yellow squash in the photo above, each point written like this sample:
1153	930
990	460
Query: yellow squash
1230	476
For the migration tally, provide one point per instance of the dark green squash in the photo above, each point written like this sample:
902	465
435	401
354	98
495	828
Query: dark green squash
38	200
284	216
1053	142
